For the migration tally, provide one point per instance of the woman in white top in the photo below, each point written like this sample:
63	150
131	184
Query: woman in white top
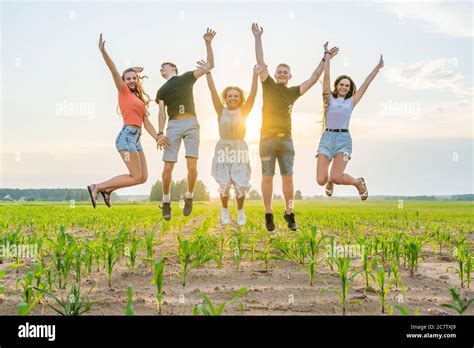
336	141
230	165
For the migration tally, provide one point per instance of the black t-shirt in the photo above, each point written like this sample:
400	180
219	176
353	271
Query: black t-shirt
278	101
177	94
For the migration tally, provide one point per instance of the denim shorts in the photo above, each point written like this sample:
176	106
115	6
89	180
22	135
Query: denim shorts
185	130
274	149
128	139
334	142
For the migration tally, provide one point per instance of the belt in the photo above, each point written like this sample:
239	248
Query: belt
278	134
336	130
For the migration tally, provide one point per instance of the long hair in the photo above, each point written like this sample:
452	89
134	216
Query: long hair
139	90
238	89
352	90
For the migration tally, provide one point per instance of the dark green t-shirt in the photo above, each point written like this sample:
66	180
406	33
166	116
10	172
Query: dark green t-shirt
278	101
177	94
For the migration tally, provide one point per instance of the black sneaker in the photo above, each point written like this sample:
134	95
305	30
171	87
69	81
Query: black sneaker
188	206
166	211
290	218
269	224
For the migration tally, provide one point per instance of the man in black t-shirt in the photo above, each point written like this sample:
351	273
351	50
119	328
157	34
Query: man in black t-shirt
276	143
176	99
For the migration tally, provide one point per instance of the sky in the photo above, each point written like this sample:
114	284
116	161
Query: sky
412	131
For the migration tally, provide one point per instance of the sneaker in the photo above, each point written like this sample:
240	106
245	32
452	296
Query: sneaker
290	219
188	206
225	218
241	219
166	211
269	224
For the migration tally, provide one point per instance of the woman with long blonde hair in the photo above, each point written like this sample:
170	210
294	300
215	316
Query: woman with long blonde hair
336	142
133	103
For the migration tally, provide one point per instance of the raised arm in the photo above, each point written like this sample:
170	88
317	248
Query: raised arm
253	91
162	139
327	76
257	32
212	88
110	64
305	86
363	88
208	36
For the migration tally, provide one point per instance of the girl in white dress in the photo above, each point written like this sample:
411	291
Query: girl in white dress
231	165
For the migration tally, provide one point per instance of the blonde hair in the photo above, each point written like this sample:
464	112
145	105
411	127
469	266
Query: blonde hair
238	89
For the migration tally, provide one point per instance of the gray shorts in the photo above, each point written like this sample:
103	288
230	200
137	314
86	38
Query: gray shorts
187	130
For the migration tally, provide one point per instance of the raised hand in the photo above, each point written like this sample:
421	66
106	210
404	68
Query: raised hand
333	51
258	69
101	43
380	65
137	69
257	30
209	35
203	65
326	47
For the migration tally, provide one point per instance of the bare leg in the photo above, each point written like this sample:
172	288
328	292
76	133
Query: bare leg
225	201
132	160
337	172
240	202
322	169
288	192
192	172
267	191
166	176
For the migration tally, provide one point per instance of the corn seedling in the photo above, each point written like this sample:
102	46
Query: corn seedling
460	305
149	243
2	275
132	251
191	254
383	285
158	281
26	284
412	250
208	308
464	263
312	259
73	305
110	255
343	264
237	244
406	311
129	308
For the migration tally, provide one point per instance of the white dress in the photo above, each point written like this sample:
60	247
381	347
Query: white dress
231	163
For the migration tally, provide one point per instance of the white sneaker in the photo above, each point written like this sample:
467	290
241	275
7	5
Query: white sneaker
225	218
241	219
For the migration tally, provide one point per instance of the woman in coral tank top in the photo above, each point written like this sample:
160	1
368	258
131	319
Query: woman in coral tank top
133	103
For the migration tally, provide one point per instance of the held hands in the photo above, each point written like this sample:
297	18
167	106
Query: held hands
202	64
257	30
101	43
258	69
162	142
332	52
209	35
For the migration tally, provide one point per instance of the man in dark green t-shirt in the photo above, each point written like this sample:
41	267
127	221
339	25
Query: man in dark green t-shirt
175	98
276	143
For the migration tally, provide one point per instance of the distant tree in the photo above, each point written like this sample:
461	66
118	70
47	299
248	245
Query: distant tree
298	195
253	195
275	196
178	190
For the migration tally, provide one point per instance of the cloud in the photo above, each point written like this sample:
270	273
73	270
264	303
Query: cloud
429	74
445	18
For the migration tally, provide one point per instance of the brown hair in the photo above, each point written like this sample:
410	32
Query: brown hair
238	89
172	65
139	91
352	91
283	65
